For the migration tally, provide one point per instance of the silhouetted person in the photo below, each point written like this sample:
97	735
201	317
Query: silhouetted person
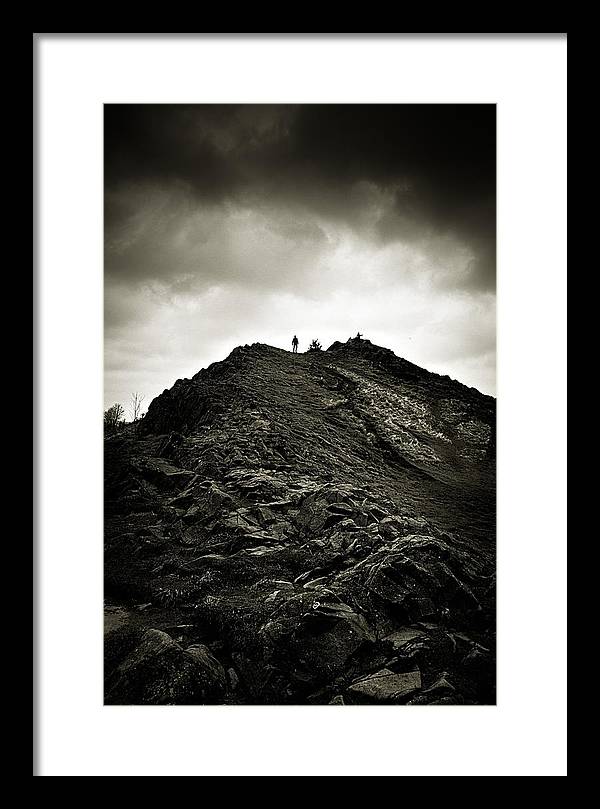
358	335
294	345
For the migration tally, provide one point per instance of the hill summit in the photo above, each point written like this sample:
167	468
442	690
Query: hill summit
303	528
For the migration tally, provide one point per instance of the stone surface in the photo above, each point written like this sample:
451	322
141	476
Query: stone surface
386	685
400	637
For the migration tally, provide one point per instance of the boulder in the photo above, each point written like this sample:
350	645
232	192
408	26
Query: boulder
477	659
416	573
234	680
256	676
430	651
210	671
202	501
157	671
401	637
162	473
315	633
340	508
441	687
192	515
263	515
386	686
258	485
238	522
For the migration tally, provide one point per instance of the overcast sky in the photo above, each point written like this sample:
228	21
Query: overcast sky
227	225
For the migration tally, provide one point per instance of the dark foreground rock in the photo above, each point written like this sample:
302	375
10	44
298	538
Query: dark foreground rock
157	670
385	686
304	529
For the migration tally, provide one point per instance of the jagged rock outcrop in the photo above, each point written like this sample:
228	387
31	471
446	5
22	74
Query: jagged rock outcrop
321	524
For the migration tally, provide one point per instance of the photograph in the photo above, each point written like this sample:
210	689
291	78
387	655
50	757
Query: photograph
299	417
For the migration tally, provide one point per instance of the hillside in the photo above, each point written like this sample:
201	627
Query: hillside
311	528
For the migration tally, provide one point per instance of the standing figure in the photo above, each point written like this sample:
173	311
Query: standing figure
294	345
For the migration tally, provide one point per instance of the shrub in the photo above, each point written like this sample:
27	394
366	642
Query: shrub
113	418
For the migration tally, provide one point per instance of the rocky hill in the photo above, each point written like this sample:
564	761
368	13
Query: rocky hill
310	528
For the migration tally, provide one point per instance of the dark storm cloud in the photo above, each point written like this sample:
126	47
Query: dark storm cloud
156	143
433	167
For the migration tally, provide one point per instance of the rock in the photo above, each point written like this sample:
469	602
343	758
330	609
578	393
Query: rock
255	675
430	652
234	680
159	671
216	501
311	517
463	642
310	575
210	670
337	700
238	522
277	505
315	634
386	685
433	699
340	508
477	659
347	525
442	686
417	574
162	473
210	465
204	501
260	550
192	515
456	699
258	485
263	515
332	520
401	637
390	527
414	523
315	584
420	607
324	653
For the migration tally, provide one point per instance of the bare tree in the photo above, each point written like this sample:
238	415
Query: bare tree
136	406
113	418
